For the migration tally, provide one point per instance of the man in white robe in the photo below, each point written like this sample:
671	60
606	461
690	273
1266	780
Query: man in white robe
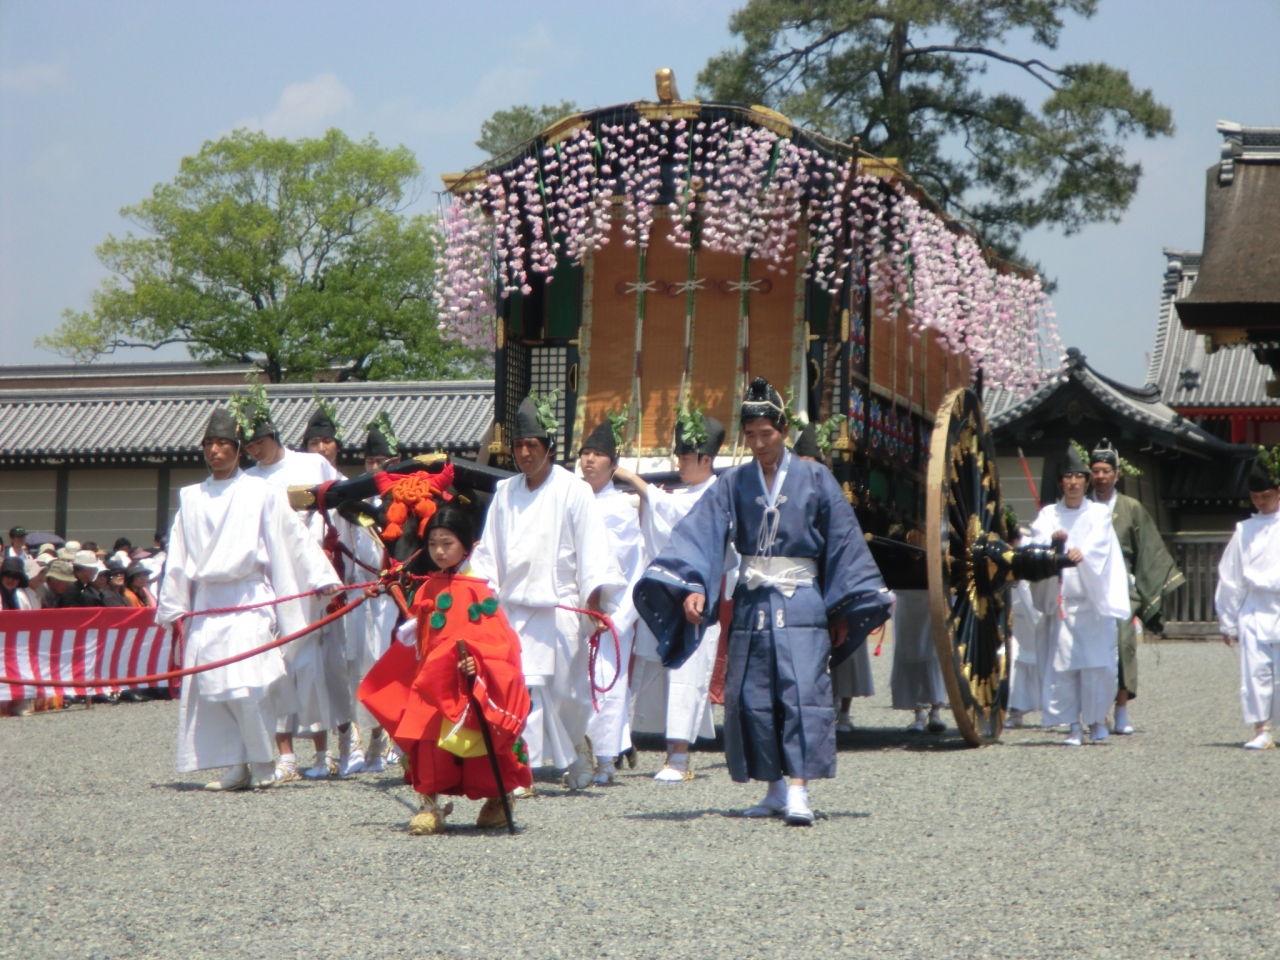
1081	609
545	547
369	626
318	667
235	542
1248	602
677	702
1028	647
610	729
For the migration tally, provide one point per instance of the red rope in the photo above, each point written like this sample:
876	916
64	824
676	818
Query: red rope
593	645
188	671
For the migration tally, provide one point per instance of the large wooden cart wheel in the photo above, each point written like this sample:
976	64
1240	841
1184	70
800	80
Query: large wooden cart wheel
966	603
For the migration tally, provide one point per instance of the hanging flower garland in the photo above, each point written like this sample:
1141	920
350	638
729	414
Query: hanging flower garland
743	190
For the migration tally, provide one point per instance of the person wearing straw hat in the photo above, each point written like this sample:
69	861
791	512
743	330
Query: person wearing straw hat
236	543
83	593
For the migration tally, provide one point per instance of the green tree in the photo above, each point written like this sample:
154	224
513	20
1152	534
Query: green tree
905	77
510	128
294	255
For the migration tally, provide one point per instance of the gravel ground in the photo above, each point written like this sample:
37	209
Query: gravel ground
1161	844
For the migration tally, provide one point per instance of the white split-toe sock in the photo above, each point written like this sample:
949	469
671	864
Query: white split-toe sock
321	770
936	724
920	722
578	776
1098	732
1075	737
237	778
676	769
844	723
774	802
286	768
261	775
606	770
1122	725
798	812
1262	741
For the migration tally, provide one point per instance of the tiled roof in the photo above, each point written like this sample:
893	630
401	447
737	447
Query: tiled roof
1143	406
125	424
1180	368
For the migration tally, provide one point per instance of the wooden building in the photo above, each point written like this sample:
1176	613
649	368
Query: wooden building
99	462
1235	301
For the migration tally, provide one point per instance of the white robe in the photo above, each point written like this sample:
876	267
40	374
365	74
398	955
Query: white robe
609	728
1028	648
675	702
318	667
233	543
541	550
1083	634
1248	603
367	629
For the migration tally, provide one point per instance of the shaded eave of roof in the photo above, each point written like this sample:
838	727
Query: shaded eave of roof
760	116
1141	407
148	424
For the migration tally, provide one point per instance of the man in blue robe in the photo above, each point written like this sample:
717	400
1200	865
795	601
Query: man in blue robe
808	592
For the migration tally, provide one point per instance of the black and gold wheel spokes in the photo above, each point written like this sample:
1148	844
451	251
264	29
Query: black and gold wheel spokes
967	603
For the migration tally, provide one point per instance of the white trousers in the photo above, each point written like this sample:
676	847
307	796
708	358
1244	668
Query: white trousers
319	674
1081	696
677	702
1259	669
852	678
560	689
1024	686
222	733
610	727
916	679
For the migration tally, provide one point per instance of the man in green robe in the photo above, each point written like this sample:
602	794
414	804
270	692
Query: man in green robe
1153	575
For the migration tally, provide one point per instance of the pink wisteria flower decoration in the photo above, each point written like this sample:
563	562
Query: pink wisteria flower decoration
743	190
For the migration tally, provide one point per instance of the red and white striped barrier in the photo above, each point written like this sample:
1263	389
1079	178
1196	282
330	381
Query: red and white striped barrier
80	645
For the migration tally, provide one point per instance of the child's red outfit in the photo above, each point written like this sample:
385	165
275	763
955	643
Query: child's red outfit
419	696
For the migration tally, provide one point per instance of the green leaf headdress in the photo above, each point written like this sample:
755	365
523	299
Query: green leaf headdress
692	430
618	420
331	412
1269	459
1126	469
250	409
382	423
546	410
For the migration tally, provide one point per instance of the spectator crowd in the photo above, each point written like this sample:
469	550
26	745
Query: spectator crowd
46	575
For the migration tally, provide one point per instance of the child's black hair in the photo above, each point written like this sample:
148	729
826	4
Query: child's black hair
457	521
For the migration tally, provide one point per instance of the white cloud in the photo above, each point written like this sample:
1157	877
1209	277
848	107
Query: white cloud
33	77
305	109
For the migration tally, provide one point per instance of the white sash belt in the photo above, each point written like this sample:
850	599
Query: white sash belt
783	574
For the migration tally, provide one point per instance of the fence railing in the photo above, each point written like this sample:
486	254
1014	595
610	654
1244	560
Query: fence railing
1189	611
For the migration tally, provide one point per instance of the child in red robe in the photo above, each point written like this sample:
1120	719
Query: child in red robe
419	693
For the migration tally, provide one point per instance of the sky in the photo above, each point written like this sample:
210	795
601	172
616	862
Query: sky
99	102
